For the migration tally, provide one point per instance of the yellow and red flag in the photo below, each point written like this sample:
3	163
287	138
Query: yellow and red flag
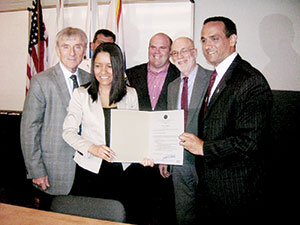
114	22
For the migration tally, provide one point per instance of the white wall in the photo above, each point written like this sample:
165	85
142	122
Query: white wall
141	21
13	55
268	35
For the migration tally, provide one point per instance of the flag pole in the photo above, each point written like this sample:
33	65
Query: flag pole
39	35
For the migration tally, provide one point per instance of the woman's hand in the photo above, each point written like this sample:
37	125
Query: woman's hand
102	152
163	169
147	162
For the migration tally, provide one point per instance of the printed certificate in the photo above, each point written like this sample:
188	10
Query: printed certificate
136	135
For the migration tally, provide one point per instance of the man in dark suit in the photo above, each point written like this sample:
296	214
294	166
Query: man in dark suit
233	126
151	81
185	179
48	158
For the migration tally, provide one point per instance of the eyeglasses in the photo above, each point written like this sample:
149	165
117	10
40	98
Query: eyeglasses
183	52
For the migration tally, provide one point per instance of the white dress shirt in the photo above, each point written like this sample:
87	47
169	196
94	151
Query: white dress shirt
221	70
191	81
67	75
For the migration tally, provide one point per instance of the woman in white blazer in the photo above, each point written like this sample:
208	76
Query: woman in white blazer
87	125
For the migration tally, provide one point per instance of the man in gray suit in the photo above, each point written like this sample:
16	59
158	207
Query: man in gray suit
48	158
184	177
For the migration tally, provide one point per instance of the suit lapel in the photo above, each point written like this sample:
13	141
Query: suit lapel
144	84
60	82
62	88
174	93
198	93
169	78
223	83
84	77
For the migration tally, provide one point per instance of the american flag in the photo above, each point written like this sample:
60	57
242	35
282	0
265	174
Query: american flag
37	59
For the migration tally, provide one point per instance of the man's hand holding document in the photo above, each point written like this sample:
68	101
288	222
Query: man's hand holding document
136	135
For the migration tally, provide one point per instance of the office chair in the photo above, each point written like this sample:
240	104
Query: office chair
98	208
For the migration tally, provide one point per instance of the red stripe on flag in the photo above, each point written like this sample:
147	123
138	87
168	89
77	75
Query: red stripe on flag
35	59
41	57
119	8
38	44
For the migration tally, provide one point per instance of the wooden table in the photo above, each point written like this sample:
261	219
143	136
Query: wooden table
12	215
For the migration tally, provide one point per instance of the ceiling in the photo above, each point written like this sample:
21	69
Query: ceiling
19	5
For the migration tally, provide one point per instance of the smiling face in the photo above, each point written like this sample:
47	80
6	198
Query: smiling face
215	45
159	52
103	69
184	55
71	50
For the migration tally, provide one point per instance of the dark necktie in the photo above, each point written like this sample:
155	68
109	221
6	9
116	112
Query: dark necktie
211	83
75	83
184	99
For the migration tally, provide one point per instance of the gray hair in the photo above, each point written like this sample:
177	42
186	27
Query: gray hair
71	31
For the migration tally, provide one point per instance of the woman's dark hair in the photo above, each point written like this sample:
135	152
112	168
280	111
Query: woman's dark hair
230	27
118	88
